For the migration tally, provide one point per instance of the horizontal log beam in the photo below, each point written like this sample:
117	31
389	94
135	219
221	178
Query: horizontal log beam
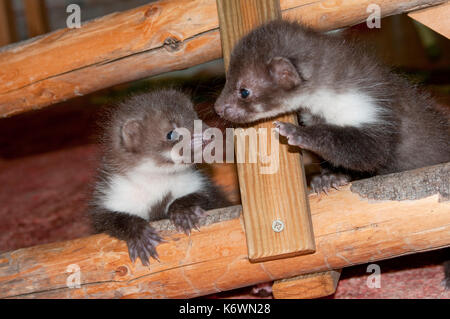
435	18
351	227
152	39
310	286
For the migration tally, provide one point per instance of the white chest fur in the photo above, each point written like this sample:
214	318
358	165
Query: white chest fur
351	108
146	185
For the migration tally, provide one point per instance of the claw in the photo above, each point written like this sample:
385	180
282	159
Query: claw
325	182
190	224
163	241
143	245
335	186
132	253
187	219
145	259
154	254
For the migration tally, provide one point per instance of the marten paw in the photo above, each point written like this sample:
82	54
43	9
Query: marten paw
262	290
186	219
144	245
446	284
324	182
292	133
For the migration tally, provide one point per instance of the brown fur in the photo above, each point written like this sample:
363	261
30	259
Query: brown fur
412	131
283	59
136	130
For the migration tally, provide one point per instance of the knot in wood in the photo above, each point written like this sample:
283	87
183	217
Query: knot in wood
151	12
46	93
122	271
172	44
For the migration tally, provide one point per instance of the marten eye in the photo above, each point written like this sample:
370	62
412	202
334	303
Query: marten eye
244	93
173	135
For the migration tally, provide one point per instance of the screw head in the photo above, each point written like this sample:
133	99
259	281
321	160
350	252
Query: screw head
277	225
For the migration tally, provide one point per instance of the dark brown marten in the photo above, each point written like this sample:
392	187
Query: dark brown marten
139	180
356	114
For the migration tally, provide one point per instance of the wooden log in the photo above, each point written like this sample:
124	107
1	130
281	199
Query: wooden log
308	286
280	196
371	220
8	32
436	18
36	15
152	39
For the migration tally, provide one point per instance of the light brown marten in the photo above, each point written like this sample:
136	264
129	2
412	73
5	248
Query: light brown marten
139	181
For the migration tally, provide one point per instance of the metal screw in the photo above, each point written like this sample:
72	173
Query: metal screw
277	226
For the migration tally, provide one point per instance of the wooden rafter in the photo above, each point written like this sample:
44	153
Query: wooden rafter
36	15
8	32
268	198
308	286
374	219
436	18
149	40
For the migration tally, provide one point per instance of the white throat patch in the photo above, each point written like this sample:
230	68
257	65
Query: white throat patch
146	185
350	108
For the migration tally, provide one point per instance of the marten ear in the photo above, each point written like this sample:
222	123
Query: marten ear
131	135
284	72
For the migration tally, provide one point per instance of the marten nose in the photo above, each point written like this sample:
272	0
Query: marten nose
228	111
222	110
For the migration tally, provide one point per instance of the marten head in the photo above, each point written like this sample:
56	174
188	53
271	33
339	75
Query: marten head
147	126
265	67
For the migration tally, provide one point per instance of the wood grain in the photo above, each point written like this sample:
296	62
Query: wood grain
152	39
36	15
308	286
349	230
280	195
436	18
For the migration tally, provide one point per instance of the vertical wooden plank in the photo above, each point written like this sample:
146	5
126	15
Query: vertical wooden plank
7	23
268	197
309	286
36	15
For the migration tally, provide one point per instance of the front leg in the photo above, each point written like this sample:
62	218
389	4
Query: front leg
364	149
328	179
186	211
140	237
294	134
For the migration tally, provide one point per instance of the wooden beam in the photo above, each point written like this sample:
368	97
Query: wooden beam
36	15
152	39
371	220
436	18
238	17
308	286
279	196
7	23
